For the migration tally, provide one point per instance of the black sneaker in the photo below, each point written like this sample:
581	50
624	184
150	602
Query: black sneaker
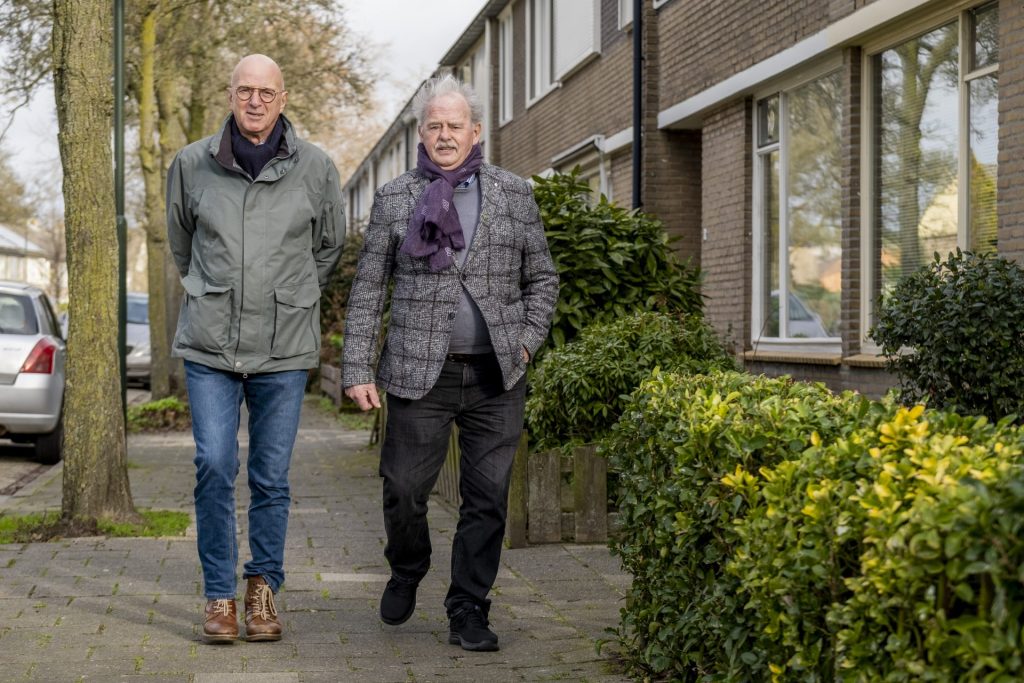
468	627
398	602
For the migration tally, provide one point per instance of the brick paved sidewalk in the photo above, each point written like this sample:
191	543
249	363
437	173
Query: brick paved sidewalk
97	609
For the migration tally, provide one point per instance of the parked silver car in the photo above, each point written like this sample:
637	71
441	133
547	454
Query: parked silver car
137	361
32	356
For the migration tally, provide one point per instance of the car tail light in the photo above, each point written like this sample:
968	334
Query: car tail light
41	359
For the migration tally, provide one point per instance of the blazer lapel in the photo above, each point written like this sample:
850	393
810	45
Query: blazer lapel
488	200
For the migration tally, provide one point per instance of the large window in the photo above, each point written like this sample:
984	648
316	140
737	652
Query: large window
505	68
538	19
798	195
562	34
933	146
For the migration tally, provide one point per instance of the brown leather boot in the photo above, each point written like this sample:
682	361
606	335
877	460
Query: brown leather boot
221	622
260	613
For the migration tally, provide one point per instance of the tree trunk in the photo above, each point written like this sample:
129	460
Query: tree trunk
151	159
168	105
95	468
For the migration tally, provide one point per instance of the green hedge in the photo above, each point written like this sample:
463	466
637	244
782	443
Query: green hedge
578	390
951	333
780	532
677	438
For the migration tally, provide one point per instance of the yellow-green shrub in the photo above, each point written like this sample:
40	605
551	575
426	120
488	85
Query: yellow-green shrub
678	436
940	590
779	532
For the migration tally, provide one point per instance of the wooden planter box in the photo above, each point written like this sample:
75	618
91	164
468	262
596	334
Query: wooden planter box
330	382
553	498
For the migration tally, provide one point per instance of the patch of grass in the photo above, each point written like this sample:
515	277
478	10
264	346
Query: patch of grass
155	523
357	421
167	414
348	416
50	527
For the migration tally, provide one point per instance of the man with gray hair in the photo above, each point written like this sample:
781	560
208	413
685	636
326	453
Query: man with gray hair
474	292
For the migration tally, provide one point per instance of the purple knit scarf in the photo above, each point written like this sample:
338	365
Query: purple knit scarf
434	229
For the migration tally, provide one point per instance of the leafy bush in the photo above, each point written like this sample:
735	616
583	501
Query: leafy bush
611	261
167	414
799	540
939	594
890	549
578	390
677	438
953	334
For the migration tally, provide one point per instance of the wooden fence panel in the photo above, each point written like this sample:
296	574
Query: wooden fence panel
518	497
545	506
590	496
330	382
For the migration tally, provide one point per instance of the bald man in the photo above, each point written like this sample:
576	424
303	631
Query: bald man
255	223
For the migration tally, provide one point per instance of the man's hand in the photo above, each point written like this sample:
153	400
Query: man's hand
365	396
526	355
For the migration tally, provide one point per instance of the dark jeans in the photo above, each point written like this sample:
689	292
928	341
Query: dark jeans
490	422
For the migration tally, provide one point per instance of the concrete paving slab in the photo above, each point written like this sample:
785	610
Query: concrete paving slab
102	609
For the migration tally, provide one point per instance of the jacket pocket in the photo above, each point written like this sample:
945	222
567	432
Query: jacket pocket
209	314
296	320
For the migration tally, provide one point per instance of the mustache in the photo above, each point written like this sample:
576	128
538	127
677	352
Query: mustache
444	145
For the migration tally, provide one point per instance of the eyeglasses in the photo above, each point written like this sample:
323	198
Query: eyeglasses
245	93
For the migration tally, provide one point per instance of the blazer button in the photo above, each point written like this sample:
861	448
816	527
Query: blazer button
463	276
451	316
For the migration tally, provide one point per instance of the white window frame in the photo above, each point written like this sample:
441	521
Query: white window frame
538	50
961	14
505	63
759	237
584	56
625	14
541	49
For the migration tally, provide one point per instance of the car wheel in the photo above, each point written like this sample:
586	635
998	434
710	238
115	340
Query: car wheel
48	446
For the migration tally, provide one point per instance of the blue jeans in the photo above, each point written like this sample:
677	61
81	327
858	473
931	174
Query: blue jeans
274	400
490	420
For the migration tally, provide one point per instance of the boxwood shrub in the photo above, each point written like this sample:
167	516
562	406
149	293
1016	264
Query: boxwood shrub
678	436
784	533
578	390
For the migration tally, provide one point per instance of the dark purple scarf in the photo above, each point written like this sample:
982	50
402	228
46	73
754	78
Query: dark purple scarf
434	229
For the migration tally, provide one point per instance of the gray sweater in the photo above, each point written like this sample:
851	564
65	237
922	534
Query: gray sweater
470	332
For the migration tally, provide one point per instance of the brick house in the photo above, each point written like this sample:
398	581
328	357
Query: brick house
806	153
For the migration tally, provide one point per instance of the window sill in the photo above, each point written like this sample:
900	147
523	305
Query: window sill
865	360
798	357
860	360
578	66
552	88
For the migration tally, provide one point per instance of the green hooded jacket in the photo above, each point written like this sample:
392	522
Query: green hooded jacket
253	254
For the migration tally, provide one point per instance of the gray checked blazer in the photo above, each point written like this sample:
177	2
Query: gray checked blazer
508	272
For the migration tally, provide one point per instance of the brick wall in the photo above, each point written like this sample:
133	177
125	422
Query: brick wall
872	383
849	328
715	40
726	210
1011	129
672	187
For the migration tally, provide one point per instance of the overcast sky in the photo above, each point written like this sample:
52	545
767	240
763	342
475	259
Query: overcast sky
412	36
